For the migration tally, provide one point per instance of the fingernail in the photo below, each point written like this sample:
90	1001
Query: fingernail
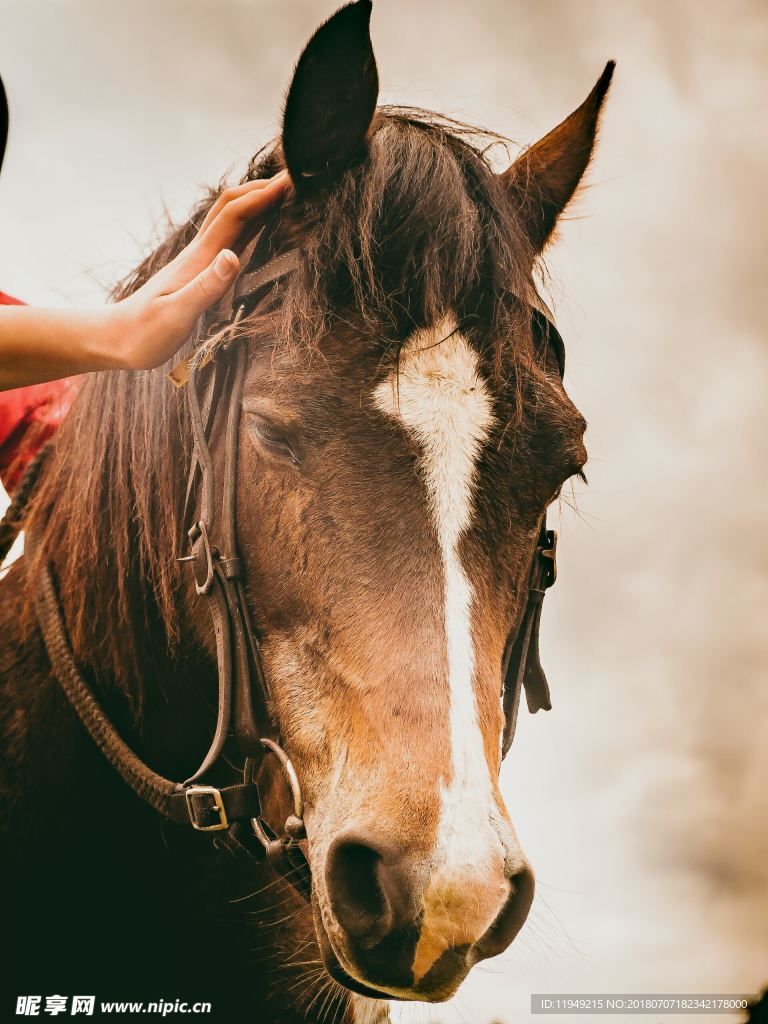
226	263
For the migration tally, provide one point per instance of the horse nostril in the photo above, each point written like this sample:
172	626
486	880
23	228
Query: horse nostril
356	882
511	918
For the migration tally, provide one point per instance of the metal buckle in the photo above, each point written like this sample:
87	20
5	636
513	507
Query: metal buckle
550	553
198	533
218	807
294	825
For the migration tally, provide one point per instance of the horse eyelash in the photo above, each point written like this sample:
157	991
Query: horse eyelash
275	441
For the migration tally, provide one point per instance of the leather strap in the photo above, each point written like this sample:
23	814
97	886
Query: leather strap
248	286
171	799
521	665
219	578
250	283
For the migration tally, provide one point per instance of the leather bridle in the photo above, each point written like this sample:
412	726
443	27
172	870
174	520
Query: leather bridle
246	724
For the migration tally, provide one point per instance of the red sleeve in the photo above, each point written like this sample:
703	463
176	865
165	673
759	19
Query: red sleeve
28	418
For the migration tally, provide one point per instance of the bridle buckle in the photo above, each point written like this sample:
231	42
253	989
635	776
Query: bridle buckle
217	807
548	551
198	535
294	829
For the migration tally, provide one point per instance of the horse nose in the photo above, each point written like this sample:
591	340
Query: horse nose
511	918
405	929
372	895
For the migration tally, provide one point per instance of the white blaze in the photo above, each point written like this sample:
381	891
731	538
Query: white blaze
439	397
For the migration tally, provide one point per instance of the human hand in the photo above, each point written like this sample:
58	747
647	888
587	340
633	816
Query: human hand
145	329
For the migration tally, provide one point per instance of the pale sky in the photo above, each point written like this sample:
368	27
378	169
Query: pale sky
642	798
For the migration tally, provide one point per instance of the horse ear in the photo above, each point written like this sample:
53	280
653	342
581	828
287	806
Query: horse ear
3	121
332	98
543	180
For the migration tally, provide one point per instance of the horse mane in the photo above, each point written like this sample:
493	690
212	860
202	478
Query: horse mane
422	228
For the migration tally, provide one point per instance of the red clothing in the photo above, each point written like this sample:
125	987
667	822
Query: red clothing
28	418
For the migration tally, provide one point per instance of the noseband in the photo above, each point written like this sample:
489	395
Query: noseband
246	724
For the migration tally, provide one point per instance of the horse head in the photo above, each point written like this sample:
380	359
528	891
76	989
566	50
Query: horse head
405	428
402	428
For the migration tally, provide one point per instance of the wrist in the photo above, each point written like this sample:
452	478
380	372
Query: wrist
110	331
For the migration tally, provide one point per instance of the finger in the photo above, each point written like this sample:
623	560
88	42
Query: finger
279	181
232	216
207	287
235	192
221	232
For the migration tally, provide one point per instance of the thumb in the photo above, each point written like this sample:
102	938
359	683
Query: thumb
210	284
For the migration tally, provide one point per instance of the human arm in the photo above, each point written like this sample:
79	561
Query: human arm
146	328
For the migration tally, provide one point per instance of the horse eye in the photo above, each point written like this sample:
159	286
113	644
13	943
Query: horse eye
271	436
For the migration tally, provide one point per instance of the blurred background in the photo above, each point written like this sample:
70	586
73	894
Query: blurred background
642	799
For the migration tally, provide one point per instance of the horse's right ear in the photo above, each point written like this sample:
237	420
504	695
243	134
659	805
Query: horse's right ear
332	99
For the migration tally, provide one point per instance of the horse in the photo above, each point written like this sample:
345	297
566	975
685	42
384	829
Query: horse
403	428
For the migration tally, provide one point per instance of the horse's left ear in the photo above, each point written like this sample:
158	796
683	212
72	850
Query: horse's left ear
543	180
332	99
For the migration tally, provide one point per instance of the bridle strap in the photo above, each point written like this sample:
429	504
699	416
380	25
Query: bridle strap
171	799
219	577
207	412
521	667
235	808
250	282
521	664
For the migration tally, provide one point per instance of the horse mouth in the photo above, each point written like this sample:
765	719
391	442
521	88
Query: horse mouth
335	969
339	974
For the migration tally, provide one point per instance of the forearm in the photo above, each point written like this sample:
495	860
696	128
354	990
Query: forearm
146	329
37	345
